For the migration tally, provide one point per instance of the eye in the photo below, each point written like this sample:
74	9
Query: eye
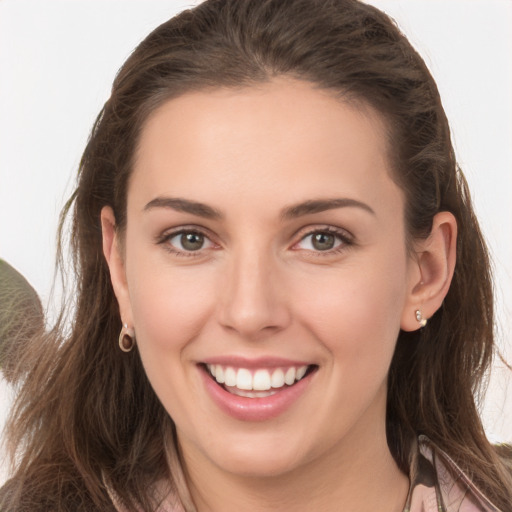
323	241
188	241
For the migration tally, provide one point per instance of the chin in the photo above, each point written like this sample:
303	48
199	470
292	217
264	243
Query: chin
259	456
259	465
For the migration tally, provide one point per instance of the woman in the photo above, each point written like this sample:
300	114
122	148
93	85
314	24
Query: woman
284	299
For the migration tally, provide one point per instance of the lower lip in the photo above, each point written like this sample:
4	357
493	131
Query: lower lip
254	409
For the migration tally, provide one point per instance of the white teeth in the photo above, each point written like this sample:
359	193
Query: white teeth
301	372
251	394
278	378
219	374
289	376
230	377
260	381
244	379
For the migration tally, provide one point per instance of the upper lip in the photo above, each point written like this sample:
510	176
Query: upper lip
258	362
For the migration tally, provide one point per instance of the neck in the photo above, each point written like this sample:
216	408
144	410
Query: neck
362	477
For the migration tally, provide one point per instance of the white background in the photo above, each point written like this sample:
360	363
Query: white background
58	59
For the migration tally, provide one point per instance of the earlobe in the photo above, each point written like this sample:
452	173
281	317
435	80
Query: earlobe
115	262
432	272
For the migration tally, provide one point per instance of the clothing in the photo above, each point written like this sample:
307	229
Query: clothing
437	485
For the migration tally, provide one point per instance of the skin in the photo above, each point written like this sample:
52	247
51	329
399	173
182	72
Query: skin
259	287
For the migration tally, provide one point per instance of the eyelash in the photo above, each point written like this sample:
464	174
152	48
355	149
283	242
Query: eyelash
346	240
166	237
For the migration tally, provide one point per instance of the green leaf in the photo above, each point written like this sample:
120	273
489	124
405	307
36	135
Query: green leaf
21	317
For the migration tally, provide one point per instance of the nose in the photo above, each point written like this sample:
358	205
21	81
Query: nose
253	299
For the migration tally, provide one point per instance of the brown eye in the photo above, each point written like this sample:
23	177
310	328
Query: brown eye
323	241
189	241
192	241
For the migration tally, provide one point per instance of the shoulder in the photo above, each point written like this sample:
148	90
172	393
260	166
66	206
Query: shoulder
439	485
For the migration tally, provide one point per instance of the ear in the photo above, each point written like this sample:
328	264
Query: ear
431	271
115	261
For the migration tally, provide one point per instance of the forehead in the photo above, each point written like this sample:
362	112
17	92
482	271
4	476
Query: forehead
284	135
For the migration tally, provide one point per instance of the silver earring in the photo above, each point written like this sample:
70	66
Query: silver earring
126	338
419	317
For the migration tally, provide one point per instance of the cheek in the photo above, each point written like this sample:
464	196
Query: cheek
170	308
355	310
169	305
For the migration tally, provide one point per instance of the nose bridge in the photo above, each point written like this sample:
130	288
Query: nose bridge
252	300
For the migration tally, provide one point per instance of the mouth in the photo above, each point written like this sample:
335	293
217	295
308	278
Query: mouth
257	382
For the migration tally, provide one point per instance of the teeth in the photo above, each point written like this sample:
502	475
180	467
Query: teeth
261	380
277	378
244	379
289	376
230	377
301	372
219	374
246	383
251	394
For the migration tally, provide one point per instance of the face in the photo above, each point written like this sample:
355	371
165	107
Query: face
265	273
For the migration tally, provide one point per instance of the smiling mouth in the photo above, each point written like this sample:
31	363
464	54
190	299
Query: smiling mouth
257	383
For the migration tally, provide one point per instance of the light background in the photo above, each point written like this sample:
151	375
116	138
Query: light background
58	59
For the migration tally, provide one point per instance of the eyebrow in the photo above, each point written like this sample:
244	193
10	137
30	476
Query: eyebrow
186	206
322	205
290	212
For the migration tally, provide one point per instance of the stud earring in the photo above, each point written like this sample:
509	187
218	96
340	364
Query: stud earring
126	338
419	317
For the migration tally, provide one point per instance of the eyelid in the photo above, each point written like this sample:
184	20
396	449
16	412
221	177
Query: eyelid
167	235
347	239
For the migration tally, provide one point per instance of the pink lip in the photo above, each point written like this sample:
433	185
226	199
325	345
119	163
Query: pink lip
254	409
261	362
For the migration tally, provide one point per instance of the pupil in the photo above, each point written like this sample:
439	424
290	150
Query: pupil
192	241
323	241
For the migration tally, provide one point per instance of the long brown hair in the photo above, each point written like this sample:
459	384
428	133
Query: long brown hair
86	414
